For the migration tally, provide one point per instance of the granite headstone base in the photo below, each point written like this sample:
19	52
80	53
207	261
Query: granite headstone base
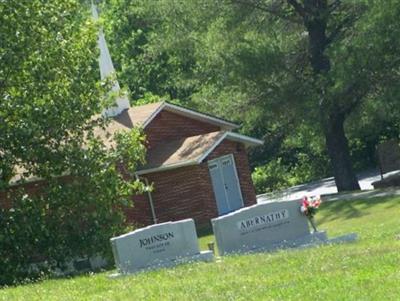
311	240
267	227
203	256
157	246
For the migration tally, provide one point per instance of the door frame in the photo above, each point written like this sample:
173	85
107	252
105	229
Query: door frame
223	179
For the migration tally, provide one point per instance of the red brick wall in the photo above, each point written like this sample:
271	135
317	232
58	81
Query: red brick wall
179	194
170	126
187	192
140	214
30	188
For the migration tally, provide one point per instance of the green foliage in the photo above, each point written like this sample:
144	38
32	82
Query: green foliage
253	62
49	86
51	98
281	173
149	97
376	122
296	158
73	216
143	66
272	176
130	150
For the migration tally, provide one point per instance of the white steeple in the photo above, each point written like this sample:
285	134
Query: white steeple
106	70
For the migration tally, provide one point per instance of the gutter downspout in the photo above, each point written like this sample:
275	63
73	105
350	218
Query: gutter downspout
153	212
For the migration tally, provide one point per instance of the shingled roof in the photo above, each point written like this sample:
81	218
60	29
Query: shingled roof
181	151
189	151
173	154
142	115
126	120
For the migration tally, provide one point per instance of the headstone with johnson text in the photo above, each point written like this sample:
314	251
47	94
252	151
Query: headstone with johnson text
159	245
265	227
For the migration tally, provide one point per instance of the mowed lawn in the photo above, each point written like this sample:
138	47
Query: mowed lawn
368	269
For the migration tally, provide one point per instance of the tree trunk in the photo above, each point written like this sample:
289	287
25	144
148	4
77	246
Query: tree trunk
315	20
339	153
315	15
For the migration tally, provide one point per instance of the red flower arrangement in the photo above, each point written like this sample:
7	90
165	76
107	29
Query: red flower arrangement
309	208
310	205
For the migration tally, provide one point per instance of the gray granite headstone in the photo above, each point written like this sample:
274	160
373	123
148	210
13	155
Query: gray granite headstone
265	227
158	245
262	226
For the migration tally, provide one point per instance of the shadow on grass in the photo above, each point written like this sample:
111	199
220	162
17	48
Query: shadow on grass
347	209
37	280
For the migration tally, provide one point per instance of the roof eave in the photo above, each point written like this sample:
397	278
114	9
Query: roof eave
226	125
166	167
154	114
215	120
248	141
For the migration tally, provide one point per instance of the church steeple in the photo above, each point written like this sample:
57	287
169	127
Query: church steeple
106	70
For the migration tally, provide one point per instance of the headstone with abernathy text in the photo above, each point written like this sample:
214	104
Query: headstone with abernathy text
265	227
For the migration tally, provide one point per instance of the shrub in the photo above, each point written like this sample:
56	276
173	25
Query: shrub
276	175
272	176
72	216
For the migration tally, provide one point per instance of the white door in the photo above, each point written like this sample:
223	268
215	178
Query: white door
225	184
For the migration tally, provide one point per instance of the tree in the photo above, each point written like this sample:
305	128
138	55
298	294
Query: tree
329	26
48	85
50	103
130	28
278	64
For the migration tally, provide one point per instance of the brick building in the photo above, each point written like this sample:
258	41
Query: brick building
197	165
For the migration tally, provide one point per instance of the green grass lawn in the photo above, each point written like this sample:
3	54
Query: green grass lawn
368	269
